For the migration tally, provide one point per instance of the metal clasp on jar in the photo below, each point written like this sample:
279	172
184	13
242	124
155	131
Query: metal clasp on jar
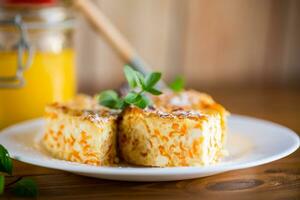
22	46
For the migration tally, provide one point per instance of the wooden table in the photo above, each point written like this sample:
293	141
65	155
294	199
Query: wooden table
277	180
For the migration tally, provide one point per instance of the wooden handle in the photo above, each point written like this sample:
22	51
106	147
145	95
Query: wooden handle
104	27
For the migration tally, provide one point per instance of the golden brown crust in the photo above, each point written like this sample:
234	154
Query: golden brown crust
81	131
84	107
186	101
180	129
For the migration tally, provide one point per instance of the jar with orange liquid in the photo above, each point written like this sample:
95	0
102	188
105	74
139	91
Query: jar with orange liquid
36	59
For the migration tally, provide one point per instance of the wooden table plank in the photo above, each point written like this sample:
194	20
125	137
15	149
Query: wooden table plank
23	169
276	180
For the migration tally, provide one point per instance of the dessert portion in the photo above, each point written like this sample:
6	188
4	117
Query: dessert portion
81	131
180	129
144	125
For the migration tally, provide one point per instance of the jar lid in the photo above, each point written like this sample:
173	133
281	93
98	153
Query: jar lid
38	14
29	2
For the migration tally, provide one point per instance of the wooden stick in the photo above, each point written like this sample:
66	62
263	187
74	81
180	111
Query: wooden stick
104	27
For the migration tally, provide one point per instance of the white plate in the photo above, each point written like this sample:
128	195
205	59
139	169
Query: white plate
251	142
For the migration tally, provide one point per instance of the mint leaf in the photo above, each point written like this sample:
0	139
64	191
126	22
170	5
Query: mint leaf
107	95
178	84
152	79
120	104
109	98
138	85
2	184
132	97
131	77
140	79
154	91
143	102
5	161
25	188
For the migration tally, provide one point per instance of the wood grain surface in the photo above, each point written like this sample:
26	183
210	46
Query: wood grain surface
276	180
212	43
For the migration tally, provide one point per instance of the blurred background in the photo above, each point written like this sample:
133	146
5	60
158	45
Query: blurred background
213	44
245	53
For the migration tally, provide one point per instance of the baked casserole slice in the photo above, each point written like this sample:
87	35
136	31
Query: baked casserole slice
81	131
180	129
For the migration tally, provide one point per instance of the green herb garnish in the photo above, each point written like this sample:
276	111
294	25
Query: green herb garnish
178	84
139	85
110	98
24	187
5	161
2	184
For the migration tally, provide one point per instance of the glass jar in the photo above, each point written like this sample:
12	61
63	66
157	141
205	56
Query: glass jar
36	60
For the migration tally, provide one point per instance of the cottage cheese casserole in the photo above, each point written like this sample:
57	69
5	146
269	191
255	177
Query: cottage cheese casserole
81	131
180	129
